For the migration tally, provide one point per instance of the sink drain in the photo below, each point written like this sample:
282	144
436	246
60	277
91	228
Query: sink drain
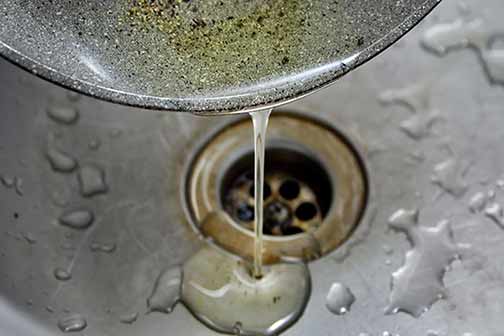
297	192
314	194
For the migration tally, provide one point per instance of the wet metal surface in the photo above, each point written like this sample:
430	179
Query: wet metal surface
143	153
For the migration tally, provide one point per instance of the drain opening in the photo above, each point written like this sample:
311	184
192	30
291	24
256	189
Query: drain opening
297	192
315	189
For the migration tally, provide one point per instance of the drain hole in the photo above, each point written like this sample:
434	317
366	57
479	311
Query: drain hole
292	230
306	211
289	190
245	213
277	217
292	177
266	189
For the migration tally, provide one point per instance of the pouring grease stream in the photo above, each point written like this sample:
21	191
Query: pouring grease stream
260	122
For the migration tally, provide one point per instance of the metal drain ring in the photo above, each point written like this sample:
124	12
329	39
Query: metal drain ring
304	136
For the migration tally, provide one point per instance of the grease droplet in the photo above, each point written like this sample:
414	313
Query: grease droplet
221	291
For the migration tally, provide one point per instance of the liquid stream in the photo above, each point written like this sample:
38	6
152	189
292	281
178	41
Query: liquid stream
260	122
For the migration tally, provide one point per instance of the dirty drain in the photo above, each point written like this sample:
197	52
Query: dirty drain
315	189
297	192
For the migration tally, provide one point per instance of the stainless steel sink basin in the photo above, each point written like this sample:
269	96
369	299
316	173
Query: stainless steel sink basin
142	221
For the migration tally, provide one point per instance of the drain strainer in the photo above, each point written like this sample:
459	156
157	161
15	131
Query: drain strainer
315	189
293	203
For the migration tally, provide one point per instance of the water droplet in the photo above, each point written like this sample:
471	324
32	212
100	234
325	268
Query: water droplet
418	283
388	249
433	333
450	176
49	309
495	212
72	323
94	144
92	181
417	99
419	126
128	318
73	96
443	38
388	262
59	199
62	274
29	302
477	202
7	181
386	333
237	329
18	186
166	292
30	239
63	115
115	133
60	161
494	61
102	247
77	219
339	299
500	184
417	156
491	195
68	246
